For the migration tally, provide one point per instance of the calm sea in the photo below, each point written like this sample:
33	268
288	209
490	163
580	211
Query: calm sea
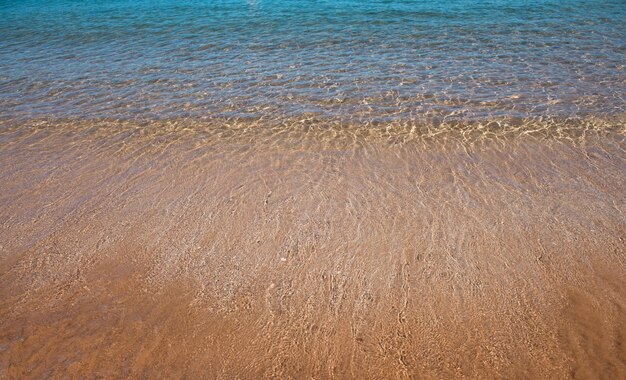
344	60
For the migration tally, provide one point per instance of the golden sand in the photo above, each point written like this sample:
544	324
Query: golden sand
311	253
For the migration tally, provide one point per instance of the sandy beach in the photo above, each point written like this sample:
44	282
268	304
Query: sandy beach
143	251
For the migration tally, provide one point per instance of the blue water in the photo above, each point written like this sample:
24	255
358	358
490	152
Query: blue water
343	60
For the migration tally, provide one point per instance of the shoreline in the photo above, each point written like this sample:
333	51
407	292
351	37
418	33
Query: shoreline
311	253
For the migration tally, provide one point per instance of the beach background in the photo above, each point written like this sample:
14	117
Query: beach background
312	189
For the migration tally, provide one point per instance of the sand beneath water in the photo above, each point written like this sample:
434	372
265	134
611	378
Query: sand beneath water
310	253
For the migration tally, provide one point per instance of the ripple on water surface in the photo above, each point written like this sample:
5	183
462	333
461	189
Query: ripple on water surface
336	60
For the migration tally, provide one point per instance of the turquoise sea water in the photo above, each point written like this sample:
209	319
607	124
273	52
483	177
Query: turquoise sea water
336	59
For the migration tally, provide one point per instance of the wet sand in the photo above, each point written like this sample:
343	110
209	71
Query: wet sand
175	251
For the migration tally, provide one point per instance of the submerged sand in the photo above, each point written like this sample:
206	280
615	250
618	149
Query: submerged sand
173	251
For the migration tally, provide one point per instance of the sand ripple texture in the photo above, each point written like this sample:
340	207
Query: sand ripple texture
181	251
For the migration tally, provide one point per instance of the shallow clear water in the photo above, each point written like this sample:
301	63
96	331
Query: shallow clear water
312	189
346	60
